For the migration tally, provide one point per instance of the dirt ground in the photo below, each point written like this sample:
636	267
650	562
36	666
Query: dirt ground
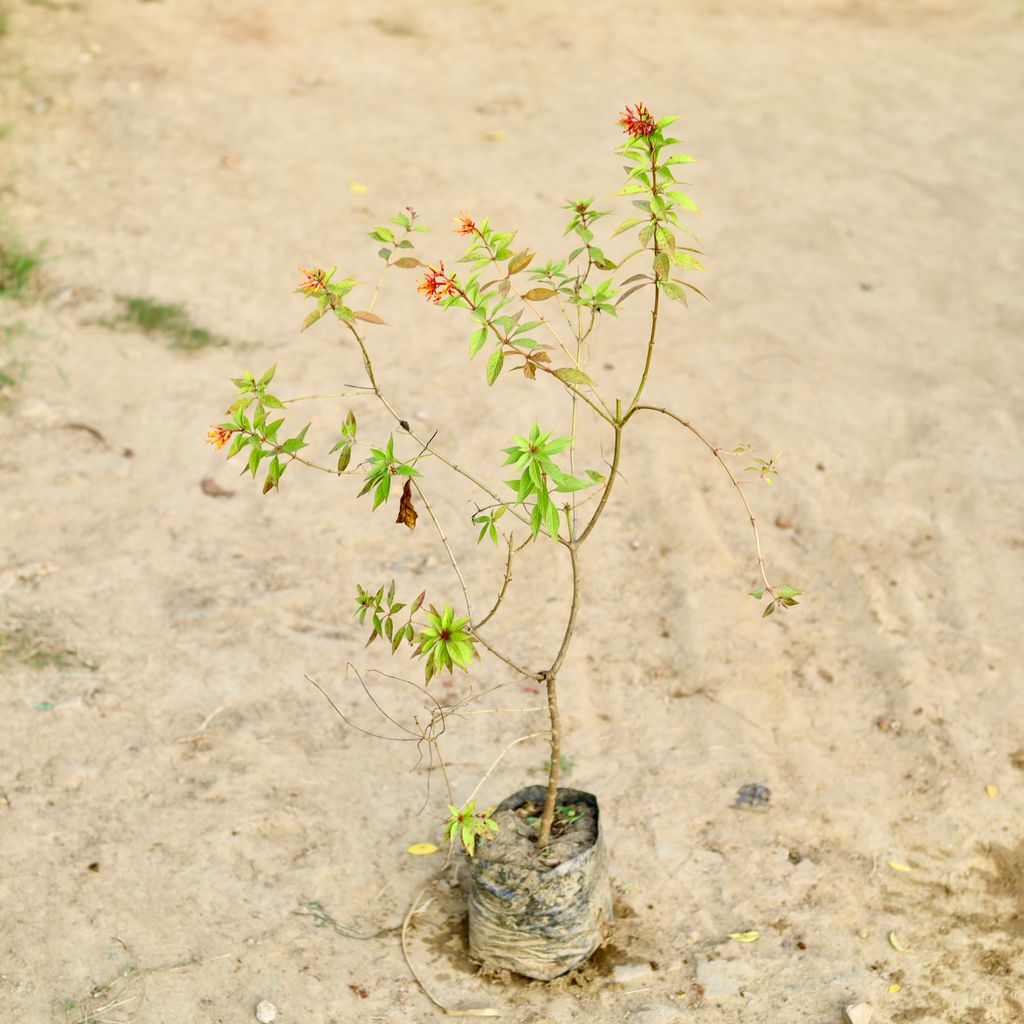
182	817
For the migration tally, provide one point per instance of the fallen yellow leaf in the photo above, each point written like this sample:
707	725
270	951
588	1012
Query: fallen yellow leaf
897	866
743	936
992	791
895	987
894	941
354	186
422	849
496	136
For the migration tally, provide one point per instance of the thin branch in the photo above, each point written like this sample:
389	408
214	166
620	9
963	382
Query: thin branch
362	392
412	738
504	585
497	760
613	472
718	454
447	546
446	1010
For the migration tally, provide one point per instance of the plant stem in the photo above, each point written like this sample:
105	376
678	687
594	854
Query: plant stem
657	296
550	679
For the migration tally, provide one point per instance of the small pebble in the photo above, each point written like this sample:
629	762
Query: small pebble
625	974
859	1014
266	1012
783	522
753	794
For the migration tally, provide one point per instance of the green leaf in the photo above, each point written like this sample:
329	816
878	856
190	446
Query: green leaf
382	235
311	318
683	200
539	294
570	375
383	490
476	341
661	265
494	365
520	262
673	291
408	262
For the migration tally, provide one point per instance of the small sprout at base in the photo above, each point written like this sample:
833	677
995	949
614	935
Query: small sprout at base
422	849
569	814
897	866
467	824
744	936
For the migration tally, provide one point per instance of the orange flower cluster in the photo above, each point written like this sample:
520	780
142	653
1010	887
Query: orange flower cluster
316	281
437	283
218	437
637	121
466	225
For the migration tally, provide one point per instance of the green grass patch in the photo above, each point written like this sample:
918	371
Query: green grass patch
19	266
12	369
170	322
26	646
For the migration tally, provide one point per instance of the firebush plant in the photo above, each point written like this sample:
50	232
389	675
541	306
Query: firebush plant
527	318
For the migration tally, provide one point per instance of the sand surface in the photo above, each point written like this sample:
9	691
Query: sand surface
860	177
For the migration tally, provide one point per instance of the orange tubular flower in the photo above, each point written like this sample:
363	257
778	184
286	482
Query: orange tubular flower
436	283
466	225
637	121
218	437
316	281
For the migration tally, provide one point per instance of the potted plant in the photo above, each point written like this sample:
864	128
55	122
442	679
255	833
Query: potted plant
539	891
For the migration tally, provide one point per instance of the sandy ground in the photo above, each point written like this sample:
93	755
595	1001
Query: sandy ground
862	196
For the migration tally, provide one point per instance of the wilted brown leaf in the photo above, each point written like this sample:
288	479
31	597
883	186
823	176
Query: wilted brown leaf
406	513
